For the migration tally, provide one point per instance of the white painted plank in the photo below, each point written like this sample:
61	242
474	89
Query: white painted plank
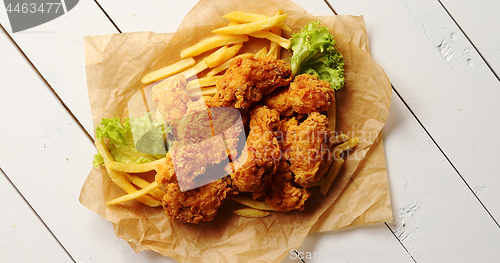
56	50
166	16
152	15
23	236
372	244
480	22
436	216
48	159
454	96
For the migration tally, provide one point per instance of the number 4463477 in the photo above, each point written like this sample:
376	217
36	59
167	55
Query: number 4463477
33	8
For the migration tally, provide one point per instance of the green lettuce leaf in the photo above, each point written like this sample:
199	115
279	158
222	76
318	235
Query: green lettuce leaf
135	140
314	53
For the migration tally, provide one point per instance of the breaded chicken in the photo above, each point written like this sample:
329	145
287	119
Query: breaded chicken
282	194
199	204
305	147
247	79
261	154
171	98
305	95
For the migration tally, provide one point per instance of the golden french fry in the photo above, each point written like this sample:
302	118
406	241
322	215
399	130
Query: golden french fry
202	82
135	168
206	91
253	203
283	42
261	53
134	195
211	43
337	163
245	17
222	56
250	212
331	175
194	70
157	193
168	70
274	48
119	178
225	65
245	29
339	139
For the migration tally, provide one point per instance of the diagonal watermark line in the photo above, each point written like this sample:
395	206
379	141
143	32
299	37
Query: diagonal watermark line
47	83
470	41
32	209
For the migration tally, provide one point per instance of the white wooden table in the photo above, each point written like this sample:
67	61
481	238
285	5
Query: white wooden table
441	139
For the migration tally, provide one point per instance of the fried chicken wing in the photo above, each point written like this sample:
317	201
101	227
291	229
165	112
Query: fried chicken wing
171	98
282	194
305	95
247	79
262	151
305	147
199	204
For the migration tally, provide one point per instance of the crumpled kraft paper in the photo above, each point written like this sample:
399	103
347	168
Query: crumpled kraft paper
360	194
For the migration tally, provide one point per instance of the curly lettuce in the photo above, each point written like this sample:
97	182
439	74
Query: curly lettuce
314	53
135	140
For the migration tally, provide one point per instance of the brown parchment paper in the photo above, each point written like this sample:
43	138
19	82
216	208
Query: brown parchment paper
360	194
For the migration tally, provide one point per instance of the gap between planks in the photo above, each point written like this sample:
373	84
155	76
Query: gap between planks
37	215
470	41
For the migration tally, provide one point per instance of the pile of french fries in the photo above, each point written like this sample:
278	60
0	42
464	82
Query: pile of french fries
224	46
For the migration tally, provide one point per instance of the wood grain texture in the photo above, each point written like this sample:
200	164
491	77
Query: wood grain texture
56	50
48	160
23	236
480	21
430	62
426	58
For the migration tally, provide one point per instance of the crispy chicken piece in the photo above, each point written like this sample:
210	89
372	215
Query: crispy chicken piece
305	147
261	154
199	204
171	98
305	95
247	79
282	194
205	136
186	161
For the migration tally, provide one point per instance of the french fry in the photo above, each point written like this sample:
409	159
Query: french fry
261	53
194	70
274	48
157	193
119	178
337	163
202	82
245	29
253	203
340	139
283	42
330	176
135	195
245	17
135	168
168	70
211	43
206	91
222	56
250	212
226	65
